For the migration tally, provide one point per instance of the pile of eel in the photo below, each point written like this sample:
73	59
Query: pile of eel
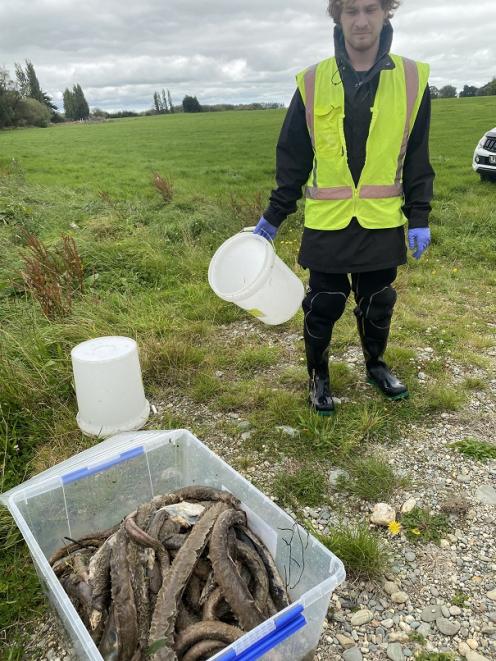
180	578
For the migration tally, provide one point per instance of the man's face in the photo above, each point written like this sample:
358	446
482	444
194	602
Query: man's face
362	22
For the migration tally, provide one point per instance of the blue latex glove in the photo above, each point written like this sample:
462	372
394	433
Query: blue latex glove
265	229
419	238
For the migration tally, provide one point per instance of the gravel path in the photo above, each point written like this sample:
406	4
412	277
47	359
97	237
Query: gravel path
412	609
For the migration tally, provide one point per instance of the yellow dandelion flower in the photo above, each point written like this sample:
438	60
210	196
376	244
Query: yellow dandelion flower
394	528
415	531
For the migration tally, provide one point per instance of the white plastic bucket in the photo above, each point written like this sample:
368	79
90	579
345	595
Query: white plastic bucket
246	270
109	387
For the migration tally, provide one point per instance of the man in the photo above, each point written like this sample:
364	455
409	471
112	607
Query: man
356	133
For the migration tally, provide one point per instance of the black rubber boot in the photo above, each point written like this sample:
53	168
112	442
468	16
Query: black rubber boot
319	387
374	342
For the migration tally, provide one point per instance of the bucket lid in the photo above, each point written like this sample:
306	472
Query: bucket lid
103	349
240	266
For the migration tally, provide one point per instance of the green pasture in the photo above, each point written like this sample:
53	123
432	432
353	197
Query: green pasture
145	275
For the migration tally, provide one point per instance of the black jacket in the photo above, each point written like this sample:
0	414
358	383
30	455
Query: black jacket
353	249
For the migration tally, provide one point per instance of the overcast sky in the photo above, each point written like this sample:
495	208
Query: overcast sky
222	50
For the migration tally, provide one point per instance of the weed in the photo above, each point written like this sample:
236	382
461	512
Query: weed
474	383
361	551
371	479
305	486
164	186
480	450
421	525
435	656
246	209
459	599
416	637
54	276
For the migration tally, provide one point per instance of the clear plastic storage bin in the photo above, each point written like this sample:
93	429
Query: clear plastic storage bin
98	487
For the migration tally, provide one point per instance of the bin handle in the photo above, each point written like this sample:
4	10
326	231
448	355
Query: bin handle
267	238
81	473
284	626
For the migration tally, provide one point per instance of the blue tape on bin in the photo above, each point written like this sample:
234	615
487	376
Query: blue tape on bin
285	625
81	473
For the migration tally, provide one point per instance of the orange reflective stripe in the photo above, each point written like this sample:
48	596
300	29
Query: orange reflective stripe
378	192
412	84
337	193
309	101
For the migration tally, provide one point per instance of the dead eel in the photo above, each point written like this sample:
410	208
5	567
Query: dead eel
276	586
220	631
174	583
94	539
124	606
234	588
205	648
207	493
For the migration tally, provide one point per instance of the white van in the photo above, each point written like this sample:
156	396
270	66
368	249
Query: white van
484	161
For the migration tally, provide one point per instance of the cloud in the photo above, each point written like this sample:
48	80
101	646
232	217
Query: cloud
222	50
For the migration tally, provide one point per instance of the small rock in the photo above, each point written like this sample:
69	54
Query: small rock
447	627
491	595
334	476
290	431
353	654
410	556
408	505
473	644
391	587
361	617
395	652
463	648
455	610
399	597
474	656
430	613
344	641
424	630
486	494
388	623
382	514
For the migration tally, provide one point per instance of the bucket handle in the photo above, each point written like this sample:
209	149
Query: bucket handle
266	235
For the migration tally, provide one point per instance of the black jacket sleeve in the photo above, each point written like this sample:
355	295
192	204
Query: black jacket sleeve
418	175
294	161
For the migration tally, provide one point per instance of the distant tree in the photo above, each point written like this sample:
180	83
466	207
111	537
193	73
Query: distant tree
99	114
447	92
165	107
9	98
156	102
171	105
468	90
191	104
30	112
488	90
69	106
22	81
29	86
81	108
434	92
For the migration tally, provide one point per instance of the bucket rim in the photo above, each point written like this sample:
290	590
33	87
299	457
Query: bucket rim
75	351
245	292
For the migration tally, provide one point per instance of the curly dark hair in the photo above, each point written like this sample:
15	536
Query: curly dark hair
335	8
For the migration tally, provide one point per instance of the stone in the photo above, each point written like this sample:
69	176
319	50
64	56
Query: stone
344	641
430	613
388	623
395	652
383	514
424	630
447	627
475	656
353	654
455	610
410	556
289	431
486	494
398	637
391	587
491	595
334	476
408	505
361	617
473	644
399	597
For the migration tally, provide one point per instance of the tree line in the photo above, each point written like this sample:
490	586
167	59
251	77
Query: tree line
450	92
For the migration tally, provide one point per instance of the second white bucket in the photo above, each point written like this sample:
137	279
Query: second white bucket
109	387
245	270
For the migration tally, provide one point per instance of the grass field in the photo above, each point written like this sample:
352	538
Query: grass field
145	264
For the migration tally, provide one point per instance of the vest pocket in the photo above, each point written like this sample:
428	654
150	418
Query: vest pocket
327	121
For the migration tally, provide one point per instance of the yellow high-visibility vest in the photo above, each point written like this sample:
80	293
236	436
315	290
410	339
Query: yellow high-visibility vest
332	199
